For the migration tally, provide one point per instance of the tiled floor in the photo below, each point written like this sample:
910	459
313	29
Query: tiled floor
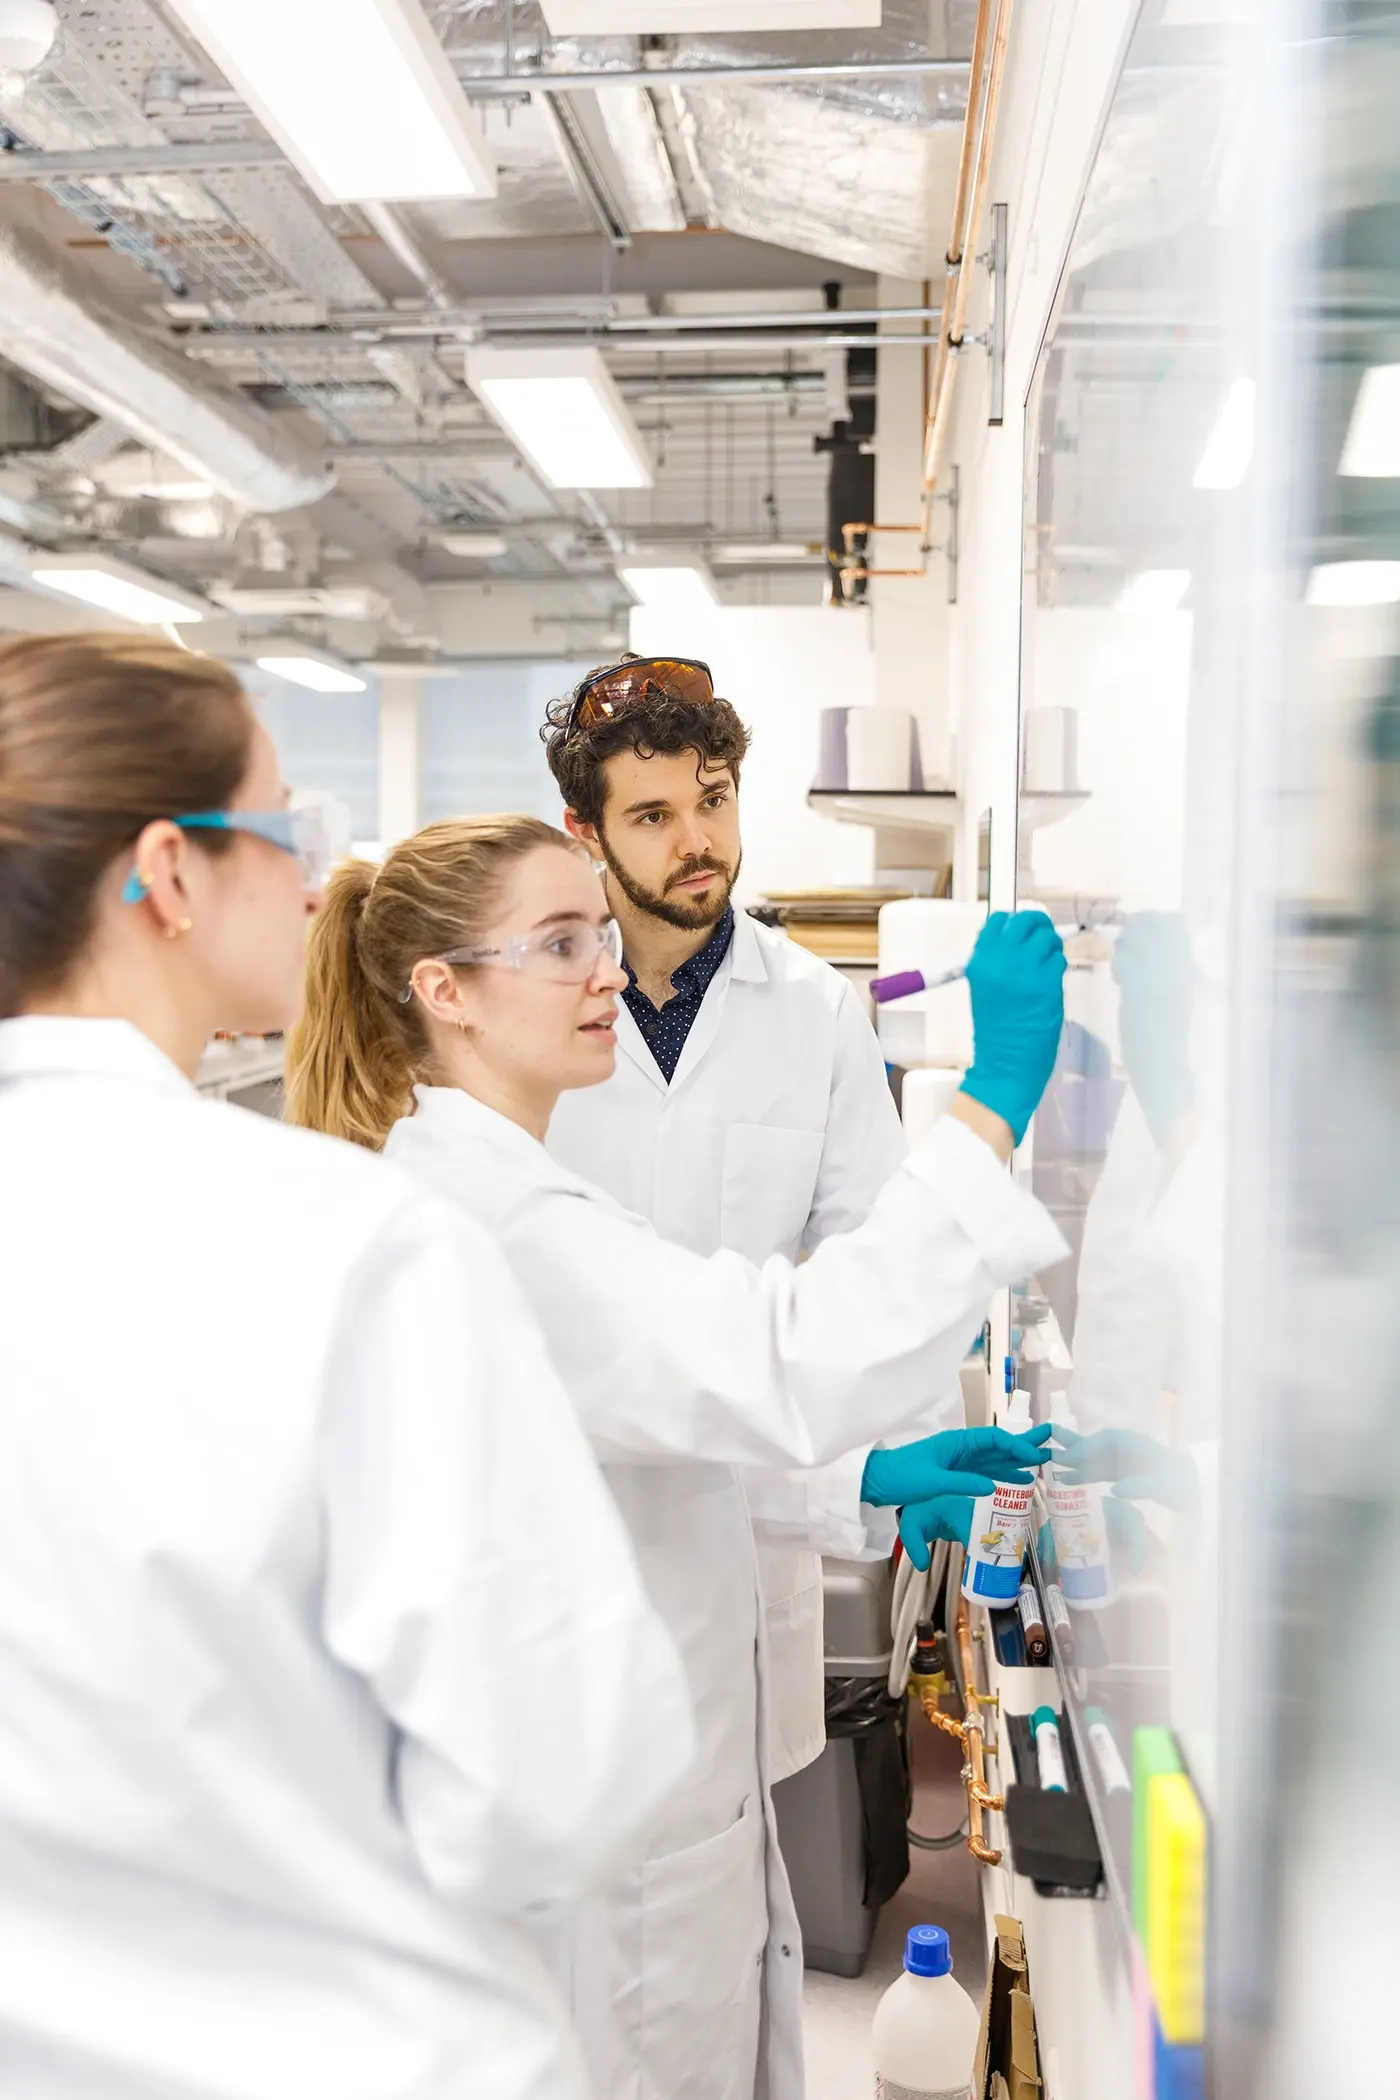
942	1889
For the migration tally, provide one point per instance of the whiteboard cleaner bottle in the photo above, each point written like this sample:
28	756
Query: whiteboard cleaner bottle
926	2026
996	1543
1080	1525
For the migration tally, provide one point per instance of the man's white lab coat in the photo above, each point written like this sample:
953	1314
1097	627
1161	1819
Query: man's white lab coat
297	1716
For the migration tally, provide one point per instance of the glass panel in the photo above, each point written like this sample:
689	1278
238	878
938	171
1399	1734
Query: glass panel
328	743
1210	809
481	739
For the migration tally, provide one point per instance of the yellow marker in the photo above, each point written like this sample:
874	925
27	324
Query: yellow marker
1176	1906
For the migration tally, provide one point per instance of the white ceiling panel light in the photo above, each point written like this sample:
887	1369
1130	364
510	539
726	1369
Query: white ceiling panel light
694	17
1372	449
1355	583
301	663
474	546
117	587
564	411
1155	591
361	95
1230	446
671	583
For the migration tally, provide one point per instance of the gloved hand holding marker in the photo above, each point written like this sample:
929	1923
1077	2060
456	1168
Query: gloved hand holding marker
1015	976
936	1482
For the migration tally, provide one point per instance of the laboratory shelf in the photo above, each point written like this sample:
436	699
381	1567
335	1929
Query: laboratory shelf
228	1067
894	809
1050	806
1080	1956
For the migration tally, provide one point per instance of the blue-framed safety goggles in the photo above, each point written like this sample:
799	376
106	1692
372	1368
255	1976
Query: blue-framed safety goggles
303	832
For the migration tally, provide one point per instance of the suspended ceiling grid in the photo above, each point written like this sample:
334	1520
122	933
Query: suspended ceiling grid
251	248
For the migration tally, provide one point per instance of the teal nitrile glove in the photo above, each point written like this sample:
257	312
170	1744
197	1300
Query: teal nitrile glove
954	1462
922	1523
938	1480
1156	977
1126	1529
1016	978
1139	1468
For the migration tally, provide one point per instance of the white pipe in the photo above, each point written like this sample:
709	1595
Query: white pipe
52	328
399	239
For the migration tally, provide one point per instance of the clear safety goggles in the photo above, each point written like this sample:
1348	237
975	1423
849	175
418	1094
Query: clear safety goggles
567	952
303	832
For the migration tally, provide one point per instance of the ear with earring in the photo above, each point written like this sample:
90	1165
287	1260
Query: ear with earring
138	889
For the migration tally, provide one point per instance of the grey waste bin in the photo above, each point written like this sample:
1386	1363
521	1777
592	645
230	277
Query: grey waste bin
842	1820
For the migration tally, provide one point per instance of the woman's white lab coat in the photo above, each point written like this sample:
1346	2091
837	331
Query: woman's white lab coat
296	1714
777	1130
683	1367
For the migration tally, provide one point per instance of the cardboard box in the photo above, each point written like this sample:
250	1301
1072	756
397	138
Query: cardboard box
1008	2058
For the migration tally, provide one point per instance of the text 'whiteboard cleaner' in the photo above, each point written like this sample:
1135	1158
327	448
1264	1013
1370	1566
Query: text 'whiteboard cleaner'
926	2026
996	1544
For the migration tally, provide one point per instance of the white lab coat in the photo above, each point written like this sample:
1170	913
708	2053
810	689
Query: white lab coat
296	1715
687	1980
777	1130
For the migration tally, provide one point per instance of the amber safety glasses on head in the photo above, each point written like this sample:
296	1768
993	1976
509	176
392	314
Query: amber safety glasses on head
611	692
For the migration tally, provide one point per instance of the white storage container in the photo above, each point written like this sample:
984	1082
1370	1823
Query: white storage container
928	934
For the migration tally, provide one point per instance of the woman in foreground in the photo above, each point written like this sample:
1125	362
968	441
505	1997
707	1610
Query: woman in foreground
295	1722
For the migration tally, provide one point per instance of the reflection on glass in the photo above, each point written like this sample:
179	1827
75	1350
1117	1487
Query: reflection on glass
1210	809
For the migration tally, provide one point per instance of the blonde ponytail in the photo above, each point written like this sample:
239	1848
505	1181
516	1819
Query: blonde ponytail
349	1059
353	1058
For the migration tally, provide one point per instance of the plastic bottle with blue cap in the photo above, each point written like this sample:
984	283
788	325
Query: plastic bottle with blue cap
926	2026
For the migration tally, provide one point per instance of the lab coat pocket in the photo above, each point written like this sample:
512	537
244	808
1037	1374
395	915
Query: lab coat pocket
770	1181
704	1929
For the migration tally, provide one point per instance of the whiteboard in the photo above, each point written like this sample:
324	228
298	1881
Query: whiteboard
1126	834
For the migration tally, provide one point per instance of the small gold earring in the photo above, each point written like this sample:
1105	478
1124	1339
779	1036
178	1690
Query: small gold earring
182	926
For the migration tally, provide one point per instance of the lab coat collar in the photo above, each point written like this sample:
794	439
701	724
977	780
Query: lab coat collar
445	1110
45	1046
744	963
748	964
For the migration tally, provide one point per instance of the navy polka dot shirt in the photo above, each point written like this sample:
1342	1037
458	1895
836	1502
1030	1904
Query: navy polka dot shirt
665	1029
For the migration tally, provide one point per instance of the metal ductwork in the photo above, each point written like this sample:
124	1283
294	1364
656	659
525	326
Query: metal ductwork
52	328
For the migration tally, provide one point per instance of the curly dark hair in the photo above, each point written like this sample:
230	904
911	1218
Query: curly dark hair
660	725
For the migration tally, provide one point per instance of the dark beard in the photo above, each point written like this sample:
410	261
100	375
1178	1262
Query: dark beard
690	917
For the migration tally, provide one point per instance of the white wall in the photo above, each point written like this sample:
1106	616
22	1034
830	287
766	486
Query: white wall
781	665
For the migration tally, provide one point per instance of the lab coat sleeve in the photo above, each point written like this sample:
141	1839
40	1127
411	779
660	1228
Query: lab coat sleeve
864	1144
821	1508
666	1352
478	1577
864	1141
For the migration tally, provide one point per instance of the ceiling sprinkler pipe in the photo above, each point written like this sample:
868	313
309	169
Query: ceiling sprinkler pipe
818	317
493	85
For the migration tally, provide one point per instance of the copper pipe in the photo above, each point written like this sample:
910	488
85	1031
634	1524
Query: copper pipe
960	234
943	394
975	101
968	1733
989	48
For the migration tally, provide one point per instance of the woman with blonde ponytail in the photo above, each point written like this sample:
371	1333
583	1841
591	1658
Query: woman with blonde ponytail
283	1766
487	970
